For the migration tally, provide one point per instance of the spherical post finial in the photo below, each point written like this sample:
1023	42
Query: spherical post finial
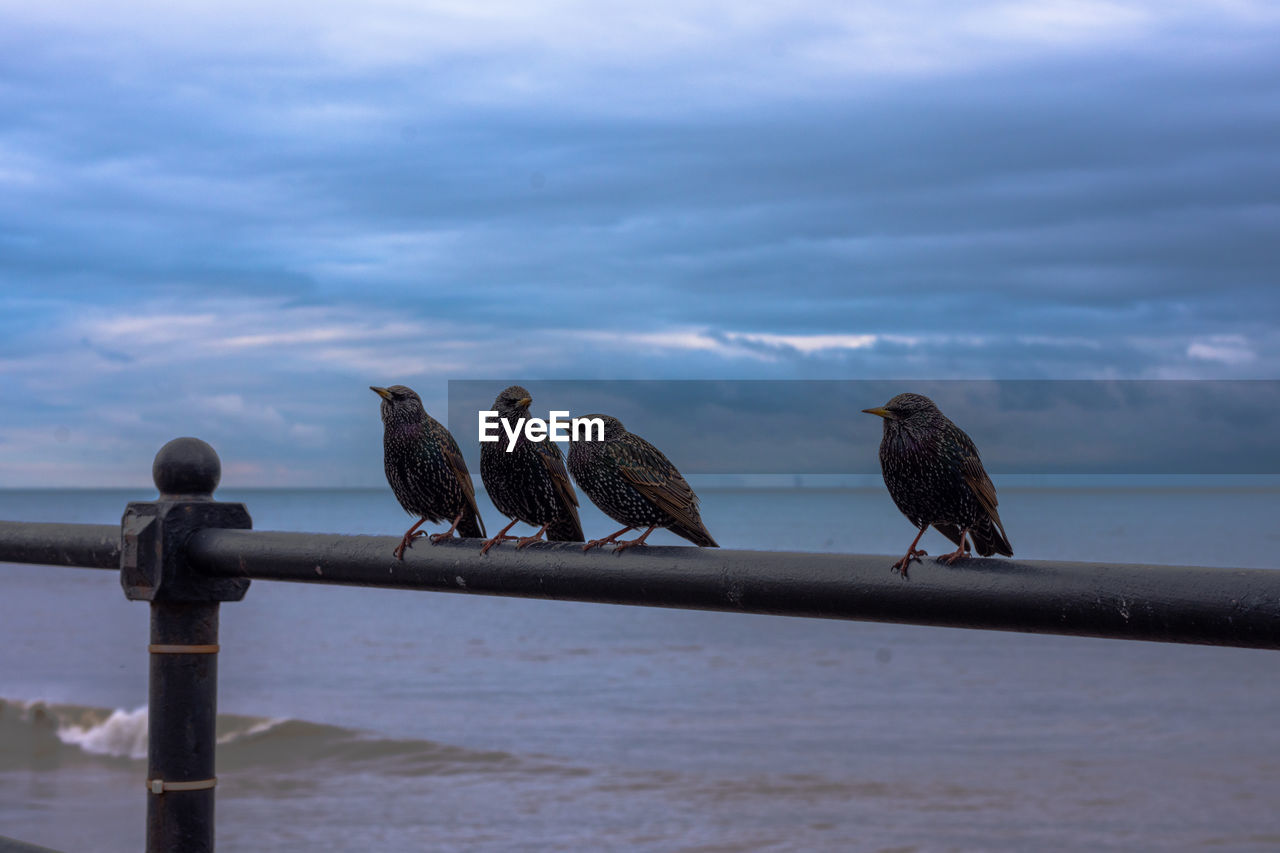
187	468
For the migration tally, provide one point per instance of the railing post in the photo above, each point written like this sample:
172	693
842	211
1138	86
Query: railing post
183	693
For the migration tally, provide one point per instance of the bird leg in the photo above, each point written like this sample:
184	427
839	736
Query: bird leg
502	536
597	543
409	536
437	538
525	541
962	551
622	546
912	554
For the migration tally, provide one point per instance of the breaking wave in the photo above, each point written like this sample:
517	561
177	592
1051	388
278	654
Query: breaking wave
42	735
123	734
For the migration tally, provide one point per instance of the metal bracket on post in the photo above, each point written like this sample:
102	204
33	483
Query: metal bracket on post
183	700
154	533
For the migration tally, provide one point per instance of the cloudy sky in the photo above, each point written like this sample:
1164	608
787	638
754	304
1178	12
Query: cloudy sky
229	218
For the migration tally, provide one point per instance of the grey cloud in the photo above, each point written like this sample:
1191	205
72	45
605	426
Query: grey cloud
1093	212
107	353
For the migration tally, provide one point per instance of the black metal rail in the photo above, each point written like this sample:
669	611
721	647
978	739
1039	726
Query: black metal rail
186	553
1233	607
85	546
1174	604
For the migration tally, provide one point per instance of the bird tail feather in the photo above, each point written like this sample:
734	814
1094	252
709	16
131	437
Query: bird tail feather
988	538
951	531
567	529
472	527
697	535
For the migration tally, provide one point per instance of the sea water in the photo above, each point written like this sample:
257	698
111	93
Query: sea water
357	719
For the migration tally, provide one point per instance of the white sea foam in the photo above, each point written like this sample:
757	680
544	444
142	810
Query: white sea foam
255	729
123	735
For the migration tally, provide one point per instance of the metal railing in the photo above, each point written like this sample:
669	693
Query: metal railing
186	553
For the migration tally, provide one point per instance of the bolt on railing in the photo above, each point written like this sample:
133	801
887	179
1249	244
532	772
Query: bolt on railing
185	553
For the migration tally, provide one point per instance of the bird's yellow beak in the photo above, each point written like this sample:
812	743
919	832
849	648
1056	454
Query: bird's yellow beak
879	410
524	402
381	392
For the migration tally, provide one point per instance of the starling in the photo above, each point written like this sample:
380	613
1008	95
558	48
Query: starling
935	477
529	483
634	484
425	468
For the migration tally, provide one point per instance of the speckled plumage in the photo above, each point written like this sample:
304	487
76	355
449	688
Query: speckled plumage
635	484
425	468
934	475
529	483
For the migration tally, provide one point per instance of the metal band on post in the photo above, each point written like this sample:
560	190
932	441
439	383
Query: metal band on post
159	786
170	649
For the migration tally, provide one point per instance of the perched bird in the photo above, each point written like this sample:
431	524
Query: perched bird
528	483
634	484
935	477
425	468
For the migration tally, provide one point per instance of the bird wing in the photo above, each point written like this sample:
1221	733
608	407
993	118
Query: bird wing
984	490
975	476
452	455
654	477
554	460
